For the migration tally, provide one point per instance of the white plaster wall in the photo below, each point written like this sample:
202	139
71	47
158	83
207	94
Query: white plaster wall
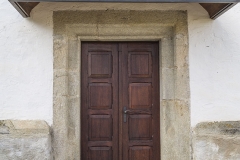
26	60
26	66
215	67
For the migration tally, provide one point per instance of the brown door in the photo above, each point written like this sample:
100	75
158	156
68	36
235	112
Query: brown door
120	101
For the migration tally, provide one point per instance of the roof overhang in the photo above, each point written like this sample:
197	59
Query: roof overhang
215	8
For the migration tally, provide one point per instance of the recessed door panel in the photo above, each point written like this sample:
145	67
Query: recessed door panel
140	127
140	95
99	64
140	64
100	153
100	95
140	153
100	128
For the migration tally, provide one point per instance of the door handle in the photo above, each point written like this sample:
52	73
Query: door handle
125	114
127	111
137	111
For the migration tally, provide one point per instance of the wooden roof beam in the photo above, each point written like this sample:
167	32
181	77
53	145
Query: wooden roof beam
215	8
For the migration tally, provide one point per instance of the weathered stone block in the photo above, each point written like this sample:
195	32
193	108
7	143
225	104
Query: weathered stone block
167	52
25	140
60	81
182	91
181	56
73	84
73	55
60	56
168	84
216	141
4	130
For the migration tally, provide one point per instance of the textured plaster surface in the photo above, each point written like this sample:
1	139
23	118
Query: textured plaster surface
214	66
167	27
28	140
25	66
216	141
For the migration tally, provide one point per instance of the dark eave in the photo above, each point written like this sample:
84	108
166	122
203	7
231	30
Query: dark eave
24	8
215	8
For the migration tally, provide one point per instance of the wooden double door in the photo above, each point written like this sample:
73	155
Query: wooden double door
120	101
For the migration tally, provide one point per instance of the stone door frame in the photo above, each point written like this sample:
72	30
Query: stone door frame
168	27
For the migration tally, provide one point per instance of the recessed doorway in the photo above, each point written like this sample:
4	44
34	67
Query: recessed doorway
120	109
